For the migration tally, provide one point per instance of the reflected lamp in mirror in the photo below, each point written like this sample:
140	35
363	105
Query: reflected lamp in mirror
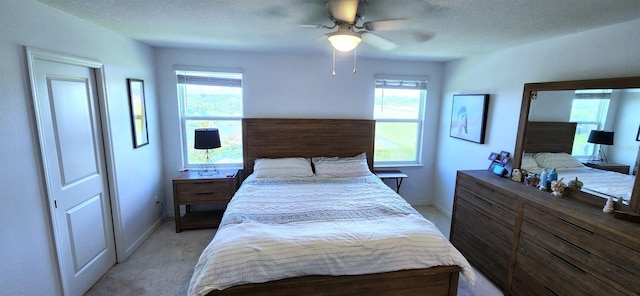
206	139
600	138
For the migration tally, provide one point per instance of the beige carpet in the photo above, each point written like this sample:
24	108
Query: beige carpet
163	264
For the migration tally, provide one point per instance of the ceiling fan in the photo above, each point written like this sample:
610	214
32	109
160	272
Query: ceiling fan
346	16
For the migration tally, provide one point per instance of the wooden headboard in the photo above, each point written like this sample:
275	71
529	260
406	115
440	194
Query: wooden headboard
549	137
275	138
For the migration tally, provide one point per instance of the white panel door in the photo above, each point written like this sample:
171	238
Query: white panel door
74	166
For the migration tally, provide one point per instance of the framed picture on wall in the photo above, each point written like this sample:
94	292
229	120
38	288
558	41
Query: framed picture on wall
638	135
469	117
138	112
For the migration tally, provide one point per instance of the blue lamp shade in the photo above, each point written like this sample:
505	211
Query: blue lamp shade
206	138
601	137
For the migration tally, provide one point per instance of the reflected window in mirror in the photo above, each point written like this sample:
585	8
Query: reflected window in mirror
589	110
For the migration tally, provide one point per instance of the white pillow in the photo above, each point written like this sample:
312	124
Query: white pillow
529	164
282	167
557	160
341	167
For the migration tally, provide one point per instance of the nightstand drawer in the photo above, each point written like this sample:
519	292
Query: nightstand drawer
203	191
191	188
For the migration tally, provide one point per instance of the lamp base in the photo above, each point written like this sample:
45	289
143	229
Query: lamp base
599	157
208	169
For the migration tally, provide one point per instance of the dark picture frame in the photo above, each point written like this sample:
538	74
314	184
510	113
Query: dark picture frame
493	156
138	112
504	154
469	117
638	135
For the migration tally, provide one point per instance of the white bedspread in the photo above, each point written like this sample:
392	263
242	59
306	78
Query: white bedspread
280	228
601	181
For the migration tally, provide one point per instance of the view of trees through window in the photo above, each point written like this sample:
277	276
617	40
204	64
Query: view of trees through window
398	114
210	99
582	112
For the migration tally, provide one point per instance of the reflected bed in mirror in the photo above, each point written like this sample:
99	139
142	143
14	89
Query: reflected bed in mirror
550	145
566	112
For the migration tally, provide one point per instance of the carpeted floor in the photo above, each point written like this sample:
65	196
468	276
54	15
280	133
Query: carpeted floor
163	264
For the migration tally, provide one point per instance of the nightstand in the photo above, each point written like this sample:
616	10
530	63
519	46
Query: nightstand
392	174
189	188
614	167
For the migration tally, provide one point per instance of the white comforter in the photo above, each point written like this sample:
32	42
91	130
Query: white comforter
600	181
280	228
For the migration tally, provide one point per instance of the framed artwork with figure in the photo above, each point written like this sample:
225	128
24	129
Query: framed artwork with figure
138	112
469	117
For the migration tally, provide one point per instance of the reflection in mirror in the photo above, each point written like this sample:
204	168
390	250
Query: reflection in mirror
559	121
609	110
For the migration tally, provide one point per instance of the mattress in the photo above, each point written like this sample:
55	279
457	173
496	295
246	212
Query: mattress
280	228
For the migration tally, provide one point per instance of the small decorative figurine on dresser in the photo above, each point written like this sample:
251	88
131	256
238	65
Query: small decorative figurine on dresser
609	206
543	181
552	175
575	184
516	175
558	187
532	179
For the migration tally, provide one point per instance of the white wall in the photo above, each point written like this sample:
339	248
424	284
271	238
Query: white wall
605	52
552	106
625	148
26	250
300	86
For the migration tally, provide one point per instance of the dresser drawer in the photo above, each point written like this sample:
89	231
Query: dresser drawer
199	191
488	207
482	255
606	259
485	227
559	274
492	195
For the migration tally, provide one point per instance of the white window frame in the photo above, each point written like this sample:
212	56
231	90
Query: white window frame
395	81
601	117
184	118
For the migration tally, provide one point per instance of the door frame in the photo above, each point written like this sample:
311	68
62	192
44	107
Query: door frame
101	91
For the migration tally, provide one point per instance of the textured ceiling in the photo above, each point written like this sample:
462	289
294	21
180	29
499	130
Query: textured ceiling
457	28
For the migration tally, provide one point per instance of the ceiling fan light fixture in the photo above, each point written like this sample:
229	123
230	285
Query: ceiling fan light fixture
344	41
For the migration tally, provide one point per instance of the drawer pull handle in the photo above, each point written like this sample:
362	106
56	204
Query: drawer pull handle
576	226
478	240
567	262
480	198
572	244
481	213
204	193
550	292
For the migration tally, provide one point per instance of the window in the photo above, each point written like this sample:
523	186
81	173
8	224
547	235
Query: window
211	99
399	114
582	112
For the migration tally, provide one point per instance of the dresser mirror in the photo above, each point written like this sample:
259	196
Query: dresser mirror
605	104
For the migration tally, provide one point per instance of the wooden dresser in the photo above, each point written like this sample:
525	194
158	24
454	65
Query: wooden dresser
529	242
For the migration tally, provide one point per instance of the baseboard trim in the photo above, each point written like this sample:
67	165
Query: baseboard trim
442	210
140	240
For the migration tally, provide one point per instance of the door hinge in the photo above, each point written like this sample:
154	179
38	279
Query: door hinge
55	203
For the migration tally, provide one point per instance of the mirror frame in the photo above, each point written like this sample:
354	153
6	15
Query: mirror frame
530	93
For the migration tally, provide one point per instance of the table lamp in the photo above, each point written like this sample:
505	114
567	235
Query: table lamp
207	138
600	138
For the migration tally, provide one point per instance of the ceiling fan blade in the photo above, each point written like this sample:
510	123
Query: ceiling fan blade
385	25
343	11
377	41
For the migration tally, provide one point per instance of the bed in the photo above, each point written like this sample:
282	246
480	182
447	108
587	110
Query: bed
322	234
549	145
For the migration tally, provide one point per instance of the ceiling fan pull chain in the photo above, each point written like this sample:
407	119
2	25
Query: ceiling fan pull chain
333	69
354	60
